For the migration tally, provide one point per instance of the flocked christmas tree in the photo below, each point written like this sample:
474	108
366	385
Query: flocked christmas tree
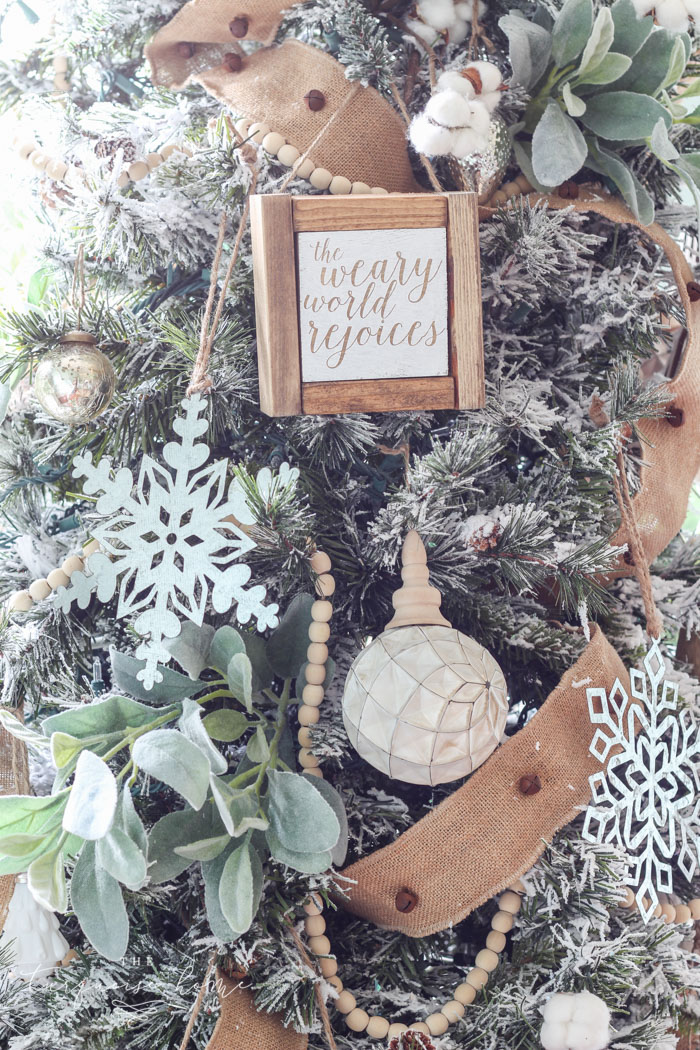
181	831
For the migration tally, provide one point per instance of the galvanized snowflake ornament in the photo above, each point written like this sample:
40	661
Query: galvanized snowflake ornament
169	543
647	801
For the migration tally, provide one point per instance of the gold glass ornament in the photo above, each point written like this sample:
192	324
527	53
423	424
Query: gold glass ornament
424	703
483	173
75	382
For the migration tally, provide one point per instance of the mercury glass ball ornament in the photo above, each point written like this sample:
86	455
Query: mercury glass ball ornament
483	173
75	382
423	702
32	935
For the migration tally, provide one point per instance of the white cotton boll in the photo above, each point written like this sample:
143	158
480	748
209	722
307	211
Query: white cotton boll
440	14
465	9
693	9
450	109
432	139
590	1009
459	31
560	1008
643	7
491	99
467	141
426	33
553	1036
452	80
479	117
491	77
587	1037
671	14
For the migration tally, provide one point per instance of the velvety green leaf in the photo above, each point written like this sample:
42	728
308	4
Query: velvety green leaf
173	830
307	863
99	906
575	106
571	31
225	644
690	162
630	30
529	48
26	814
523	156
129	821
191	647
169	756
93	798
46	879
650	65
610	69
634	194
660	143
64	748
236	889
204	849
211	872
22	846
122	858
256	651
226	725
676	65
239	675
558	147
286	647
102	716
190	723
174	687
238	808
598	43
331	796
258	749
300	817
623	115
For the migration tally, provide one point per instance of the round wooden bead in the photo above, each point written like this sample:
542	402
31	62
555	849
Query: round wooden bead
73	564
273	142
20	601
340	185
304	737
137	171
328	967
307	759
303	168
511	189
496	941
321	611
517	887
39	590
57	578
419	1026
396	1030
453	1011
314	925
314	905
319	632
320	562
524	183
477	977
360	187
345	1002
629	900
487	959
167	151
317	653
499	197
40	160
312	695
26	149
510	902
308	716
357	1020
91	548
123	180
57	170
257	131
437	1023
465	994
336	983
694	906
154	160
656	912
315	674
502	922
682	910
320	178
378	1027
314	771
379	191
320	945
325	585
668	913
288	154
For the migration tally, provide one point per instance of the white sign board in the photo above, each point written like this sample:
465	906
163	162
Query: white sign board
373	304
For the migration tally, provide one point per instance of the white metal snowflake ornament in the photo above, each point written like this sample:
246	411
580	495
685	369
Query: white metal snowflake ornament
647	801
169	542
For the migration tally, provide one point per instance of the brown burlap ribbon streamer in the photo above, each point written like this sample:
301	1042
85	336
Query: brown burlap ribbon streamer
242	1027
14	780
357	133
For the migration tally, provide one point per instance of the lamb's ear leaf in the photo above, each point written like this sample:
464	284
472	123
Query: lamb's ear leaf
571	31
558	147
99	906
529	48
631	31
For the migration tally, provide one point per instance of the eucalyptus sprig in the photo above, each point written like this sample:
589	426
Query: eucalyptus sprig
599	84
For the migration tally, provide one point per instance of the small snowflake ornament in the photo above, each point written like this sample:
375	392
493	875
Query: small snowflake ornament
170	542
647	801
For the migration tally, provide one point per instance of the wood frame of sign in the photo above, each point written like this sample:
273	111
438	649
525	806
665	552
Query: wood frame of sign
276	222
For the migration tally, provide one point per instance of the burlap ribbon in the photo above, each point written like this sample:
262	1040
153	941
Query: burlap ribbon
242	1027
357	133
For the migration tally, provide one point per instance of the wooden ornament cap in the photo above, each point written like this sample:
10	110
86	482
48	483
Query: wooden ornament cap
416	603
78	337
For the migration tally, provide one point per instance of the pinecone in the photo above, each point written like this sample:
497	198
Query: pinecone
483	541
108	148
411	1041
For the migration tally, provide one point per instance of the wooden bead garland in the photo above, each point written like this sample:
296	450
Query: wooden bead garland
22	601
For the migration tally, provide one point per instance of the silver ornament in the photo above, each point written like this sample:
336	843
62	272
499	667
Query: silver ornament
483	173
75	382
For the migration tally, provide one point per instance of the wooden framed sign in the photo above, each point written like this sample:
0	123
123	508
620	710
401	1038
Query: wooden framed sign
367	303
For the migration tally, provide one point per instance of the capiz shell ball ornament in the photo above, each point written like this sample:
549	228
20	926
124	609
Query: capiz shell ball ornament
32	936
75	382
483	173
423	702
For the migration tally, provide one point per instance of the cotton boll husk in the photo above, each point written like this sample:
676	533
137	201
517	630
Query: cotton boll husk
671	14
560	1008
440	14
553	1036
584	1036
450	109
468	141
491	78
590	1009
452	80
479	117
431	139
